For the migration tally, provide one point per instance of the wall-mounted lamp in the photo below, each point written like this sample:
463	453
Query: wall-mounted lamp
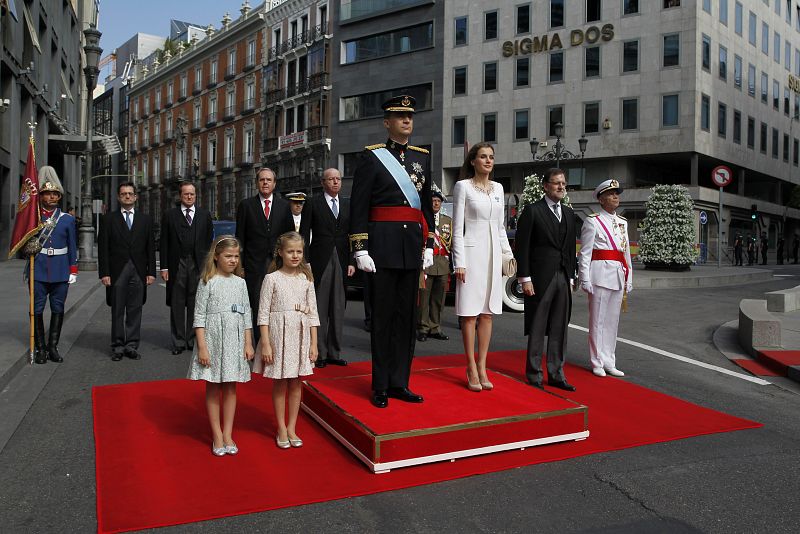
4	103
607	124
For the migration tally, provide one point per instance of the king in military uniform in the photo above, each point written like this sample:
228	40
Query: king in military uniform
55	266
606	275
431	295
392	236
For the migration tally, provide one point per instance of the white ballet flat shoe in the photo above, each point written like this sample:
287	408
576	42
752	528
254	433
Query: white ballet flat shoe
615	372
598	371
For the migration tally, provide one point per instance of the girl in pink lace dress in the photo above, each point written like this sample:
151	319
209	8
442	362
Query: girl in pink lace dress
287	317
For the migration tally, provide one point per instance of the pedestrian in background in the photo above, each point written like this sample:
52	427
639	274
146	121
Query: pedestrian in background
779	250
751	250
186	235
738	249
764	247
287	316
222	314
126	254
431	295
480	246
55	266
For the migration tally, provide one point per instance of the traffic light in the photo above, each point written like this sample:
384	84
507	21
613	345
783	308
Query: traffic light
754	212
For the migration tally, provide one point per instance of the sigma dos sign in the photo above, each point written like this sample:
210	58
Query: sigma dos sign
545	43
721	176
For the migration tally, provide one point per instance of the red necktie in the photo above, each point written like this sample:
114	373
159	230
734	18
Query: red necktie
266	209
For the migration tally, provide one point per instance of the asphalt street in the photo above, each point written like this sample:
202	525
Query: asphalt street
746	481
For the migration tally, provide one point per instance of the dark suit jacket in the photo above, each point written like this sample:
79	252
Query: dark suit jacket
326	232
258	235
539	252
172	224
116	245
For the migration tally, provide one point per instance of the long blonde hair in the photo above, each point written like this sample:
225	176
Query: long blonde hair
277	261
221	243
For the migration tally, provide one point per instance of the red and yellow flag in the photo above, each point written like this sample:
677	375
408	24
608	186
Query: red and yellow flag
26	223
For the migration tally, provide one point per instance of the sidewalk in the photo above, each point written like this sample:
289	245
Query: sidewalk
698	276
14	314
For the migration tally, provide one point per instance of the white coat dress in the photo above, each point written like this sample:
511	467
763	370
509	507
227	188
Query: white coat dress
479	244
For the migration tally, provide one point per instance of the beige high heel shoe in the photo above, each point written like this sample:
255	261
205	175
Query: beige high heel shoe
472	386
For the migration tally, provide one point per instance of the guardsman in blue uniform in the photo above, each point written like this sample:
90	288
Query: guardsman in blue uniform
391	235
54	267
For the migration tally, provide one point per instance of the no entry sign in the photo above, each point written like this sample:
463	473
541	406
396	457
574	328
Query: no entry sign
721	176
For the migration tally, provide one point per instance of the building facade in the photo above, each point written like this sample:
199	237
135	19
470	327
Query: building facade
664	92
382	49
196	116
42	93
297	90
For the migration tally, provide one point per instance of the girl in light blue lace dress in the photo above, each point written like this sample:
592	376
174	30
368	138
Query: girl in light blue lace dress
223	328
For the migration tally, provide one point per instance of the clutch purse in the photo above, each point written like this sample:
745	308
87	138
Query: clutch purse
509	266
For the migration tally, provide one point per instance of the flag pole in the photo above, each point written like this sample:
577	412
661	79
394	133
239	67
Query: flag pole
31	342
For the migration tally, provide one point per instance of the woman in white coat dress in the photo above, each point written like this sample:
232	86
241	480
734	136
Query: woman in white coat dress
479	245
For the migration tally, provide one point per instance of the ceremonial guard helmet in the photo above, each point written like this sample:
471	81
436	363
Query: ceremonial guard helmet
48	180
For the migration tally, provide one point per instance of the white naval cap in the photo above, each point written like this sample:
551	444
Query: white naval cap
607	185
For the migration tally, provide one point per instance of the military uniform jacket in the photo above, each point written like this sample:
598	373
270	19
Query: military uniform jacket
443	240
609	274
58	268
392	245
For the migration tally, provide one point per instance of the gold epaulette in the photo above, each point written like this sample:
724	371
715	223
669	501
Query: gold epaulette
375	147
594	214
418	149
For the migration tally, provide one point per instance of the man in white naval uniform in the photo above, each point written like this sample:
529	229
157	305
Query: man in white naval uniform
606	275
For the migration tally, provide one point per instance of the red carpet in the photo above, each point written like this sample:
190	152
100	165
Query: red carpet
755	367
779	360
155	468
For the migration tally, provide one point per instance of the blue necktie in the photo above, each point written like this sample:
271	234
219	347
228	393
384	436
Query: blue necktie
128	219
334	208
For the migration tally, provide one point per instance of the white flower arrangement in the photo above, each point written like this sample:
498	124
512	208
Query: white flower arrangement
533	190
667	231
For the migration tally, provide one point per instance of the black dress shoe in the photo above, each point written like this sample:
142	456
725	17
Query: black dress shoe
133	354
116	356
536	385
561	385
422	337
404	394
379	399
439	336
320	364
336	361
175	352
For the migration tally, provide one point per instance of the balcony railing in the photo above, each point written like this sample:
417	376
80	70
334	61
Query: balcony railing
229	113
183	95
230	72
157	107
168	103
318	81
155	141
211	120
145	145
197	123
250	62
316	133
210	168
274	96
197	88
167	135
211	81
245	159
308	36
248	106
297	89
227	164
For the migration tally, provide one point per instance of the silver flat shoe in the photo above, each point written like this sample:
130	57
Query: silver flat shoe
296	442
219	451
231	449
282	444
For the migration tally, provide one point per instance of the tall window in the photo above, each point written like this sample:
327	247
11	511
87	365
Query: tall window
775	143
521	122
630	56
763	138
213	73
707	6
786	101
737	72
776	47
593	9
705	52
629	7
737	18
555	115
764	88
787	55
197	112
722	119
670	115
630	114
776	95
461	31
556	13
751	132
705	112
460	81
785	148
459	130
490	26
399	41
249	145
723	63
737	127
169	93
556	67
212	155
723	12
184	85
672	50
251	53
765	38
751	80
522	77
489	127
591	117
592	67
751	29
289	123
489	76
523	19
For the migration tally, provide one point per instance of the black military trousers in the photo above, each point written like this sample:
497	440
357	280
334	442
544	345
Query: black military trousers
393	294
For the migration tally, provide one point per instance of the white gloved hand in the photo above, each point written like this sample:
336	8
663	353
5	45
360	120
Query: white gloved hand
365	263
587	286
628	287
73	278
427	258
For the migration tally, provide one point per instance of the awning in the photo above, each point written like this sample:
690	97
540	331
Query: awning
102	145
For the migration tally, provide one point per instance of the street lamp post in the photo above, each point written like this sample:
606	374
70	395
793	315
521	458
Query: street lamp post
558	152
92	50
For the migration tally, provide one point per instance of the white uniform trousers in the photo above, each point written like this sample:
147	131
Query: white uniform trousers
604	308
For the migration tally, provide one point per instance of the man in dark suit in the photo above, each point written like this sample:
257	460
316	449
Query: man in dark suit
325	225
545	253
126	254
260	220
391	234
186	234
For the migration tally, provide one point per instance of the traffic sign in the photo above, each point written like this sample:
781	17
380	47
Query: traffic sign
703	217
721	176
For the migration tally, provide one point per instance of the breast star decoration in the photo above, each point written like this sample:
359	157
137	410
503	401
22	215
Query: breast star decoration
418	178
